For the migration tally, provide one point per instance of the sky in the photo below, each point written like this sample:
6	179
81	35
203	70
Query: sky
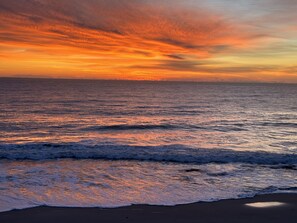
188	40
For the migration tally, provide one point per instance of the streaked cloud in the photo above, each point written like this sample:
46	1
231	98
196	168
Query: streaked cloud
142	39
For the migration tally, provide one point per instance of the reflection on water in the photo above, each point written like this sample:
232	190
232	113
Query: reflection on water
231	116
101	183
204	142
265	204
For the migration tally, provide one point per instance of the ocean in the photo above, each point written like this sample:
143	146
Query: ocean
91	143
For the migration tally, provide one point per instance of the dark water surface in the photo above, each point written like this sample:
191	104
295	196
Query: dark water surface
114	143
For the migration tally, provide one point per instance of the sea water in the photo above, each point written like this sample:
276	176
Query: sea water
86	143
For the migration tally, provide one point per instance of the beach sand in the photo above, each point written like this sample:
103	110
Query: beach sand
222	211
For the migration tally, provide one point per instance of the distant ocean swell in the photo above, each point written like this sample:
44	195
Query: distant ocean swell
167	127
171	153
124	127
131	127
222	126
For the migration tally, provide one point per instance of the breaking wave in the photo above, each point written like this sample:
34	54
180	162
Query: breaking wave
171	153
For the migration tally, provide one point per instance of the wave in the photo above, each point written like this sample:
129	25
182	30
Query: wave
124	127
279	124
130	127
172	153
274	189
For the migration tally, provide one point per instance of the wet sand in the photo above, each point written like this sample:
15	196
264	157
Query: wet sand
222	211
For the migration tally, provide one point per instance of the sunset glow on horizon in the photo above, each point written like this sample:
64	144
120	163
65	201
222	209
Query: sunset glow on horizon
211	40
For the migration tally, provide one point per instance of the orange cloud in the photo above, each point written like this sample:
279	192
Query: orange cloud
116	39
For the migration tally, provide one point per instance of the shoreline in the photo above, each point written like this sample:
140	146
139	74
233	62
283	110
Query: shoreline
232	210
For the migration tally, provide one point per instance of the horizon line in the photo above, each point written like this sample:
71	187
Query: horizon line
144	80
